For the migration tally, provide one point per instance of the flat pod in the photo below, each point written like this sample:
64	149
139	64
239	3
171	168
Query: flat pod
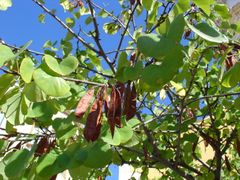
114	109
84	103
130	102
94	120
111	110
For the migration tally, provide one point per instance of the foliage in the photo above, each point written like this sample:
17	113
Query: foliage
168	89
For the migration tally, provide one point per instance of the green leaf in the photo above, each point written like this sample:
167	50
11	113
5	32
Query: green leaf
176	28
5	54
111	28
237	103
14	109
64	128
45	166
125	133
122	63
16	162
222	10
132	73
152	45
205	5
85	172
155	76
70	22
41	18
26	69
232	77
33	92
121	136
115	140
183	5
52	86
147	4
6	81
21	50
5	4
40	109
99	155
67	66
52	63
208	33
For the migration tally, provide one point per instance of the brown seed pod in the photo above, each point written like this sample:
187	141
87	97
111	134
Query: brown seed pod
187	33
130	102
43	146
118	111
112	110
132	2
132	58
94	119
121	88
230	61
84	103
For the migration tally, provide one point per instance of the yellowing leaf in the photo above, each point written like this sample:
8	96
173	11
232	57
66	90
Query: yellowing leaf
5	4
179	89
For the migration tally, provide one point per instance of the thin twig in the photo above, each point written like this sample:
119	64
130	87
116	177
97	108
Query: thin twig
114	18
96	37
18	48
84	82
66	27
124	32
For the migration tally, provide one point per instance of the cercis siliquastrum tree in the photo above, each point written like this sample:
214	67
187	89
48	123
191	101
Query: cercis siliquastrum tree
147	83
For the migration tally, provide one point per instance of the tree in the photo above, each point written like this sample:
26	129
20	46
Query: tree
170	87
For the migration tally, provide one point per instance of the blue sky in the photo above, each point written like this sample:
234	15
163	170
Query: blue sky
19	24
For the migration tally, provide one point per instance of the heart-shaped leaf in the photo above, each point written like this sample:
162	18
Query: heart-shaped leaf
232	77
5	4
52	86
26	69
5	54
208	33
66	66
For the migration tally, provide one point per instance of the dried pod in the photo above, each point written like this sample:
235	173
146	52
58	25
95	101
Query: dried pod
132	58
132	2
94	119
111	111
114	110
43	146
118	111
84	103
121	88
130	102
230	61
187	33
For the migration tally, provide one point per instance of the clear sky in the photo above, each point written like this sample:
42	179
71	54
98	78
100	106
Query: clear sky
19	24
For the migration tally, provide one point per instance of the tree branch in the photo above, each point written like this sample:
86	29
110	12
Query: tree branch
96	37
66	27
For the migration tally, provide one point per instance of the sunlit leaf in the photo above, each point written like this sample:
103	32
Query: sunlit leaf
5	54
26	69
5	4
52	86
208	33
